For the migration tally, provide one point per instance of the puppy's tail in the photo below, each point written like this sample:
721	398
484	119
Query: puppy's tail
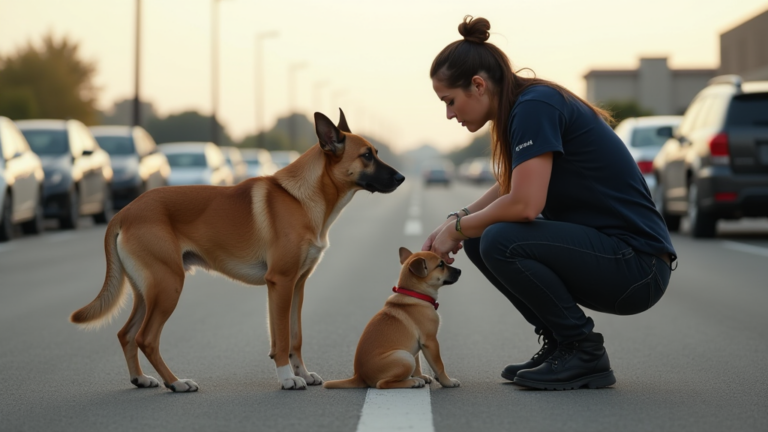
112	296
353	382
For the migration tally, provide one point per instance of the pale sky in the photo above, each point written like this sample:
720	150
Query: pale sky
372	58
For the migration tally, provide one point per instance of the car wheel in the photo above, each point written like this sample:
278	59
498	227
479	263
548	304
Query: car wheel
107	209
672	221
703	225
6	226
69	221
35	226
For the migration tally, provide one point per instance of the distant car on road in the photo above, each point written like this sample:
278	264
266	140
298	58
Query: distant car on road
259	162
479	171
715	164
137	163
196	163
21	183
440	172
236	163
644	137
282	158
78	172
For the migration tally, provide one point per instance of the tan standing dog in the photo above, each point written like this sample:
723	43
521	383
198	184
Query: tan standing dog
387	355
266	230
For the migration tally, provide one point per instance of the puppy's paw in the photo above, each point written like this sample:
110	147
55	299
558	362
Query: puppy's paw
427	379
145	381
312	379
450	383
183	386
417	383
294	383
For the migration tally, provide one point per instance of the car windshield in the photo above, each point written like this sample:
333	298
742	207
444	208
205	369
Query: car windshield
252	161
749	110
116	145
185	160
47	142
647	137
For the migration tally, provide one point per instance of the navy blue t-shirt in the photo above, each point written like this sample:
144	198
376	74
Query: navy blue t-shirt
595	182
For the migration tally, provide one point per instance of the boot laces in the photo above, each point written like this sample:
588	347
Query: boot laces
564	351
544	347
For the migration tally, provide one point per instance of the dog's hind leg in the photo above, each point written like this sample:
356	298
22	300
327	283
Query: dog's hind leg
297	361
397	369
161	295
127	337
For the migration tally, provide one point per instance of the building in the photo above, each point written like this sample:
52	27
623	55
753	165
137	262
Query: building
653	86
744	49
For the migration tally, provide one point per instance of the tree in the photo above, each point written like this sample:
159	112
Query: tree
122	113
479	147
186	126
624	109
48	82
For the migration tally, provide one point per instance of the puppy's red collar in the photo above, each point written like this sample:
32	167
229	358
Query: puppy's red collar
414	294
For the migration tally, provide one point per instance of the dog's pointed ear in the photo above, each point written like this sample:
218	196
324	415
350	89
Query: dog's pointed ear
331	138
343	122
404	255
419	267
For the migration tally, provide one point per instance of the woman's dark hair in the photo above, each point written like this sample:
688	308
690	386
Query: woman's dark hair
458	62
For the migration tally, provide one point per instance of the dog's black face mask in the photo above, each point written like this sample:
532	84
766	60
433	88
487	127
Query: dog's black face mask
383	178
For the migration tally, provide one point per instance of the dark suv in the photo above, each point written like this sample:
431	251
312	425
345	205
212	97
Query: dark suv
715	164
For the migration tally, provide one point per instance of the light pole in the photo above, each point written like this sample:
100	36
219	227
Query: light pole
136	102
260	84
214	70
292	69
317	104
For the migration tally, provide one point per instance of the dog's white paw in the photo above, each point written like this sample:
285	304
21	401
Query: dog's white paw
294	383
183	386
145	381
451	383
311	378
427	379
419	383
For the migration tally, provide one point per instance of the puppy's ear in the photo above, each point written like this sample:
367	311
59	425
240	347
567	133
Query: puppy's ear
343	122
331	138
404	255
419	267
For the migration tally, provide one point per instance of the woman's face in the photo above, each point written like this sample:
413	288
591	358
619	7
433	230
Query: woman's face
471	107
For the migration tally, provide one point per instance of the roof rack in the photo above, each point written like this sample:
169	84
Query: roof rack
732	79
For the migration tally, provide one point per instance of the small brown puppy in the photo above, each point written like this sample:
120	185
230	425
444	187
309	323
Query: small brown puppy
387	355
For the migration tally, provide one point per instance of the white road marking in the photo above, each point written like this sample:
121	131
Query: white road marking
412	227
397	410
743	247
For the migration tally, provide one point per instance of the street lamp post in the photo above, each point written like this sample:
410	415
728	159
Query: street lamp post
316	97
292	69
214	70
136	101
260	84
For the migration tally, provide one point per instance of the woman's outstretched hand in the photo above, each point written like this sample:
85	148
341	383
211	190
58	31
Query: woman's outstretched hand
443	242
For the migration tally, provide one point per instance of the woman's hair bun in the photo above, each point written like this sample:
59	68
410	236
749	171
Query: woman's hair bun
475	29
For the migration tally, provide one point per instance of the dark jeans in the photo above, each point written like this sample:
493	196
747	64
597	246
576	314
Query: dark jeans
547	269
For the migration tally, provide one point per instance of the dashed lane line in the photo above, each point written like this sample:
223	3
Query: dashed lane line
397	410
748	248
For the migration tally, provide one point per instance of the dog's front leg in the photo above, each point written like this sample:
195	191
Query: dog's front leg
417	371
431	350
280	295
297	361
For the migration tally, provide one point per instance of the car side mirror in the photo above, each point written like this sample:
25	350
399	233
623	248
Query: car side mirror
664	132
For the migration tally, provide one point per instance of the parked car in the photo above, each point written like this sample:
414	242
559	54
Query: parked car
21	183
78	172
259	162
137	164
282	158
715	164
644	137
236	163
439	171
479	171
196	163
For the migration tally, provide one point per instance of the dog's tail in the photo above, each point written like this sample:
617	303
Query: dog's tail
112	296
353	382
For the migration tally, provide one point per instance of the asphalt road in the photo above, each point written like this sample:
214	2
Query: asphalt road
697	361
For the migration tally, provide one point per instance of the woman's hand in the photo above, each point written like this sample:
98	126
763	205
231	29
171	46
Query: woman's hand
447	241
431	239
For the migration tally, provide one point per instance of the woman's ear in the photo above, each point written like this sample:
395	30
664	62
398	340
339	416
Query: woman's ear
479	85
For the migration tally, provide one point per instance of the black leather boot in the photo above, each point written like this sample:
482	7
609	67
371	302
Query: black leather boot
547	349
577	364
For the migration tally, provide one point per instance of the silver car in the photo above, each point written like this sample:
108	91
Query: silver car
137	163
196	163
644	137
21	183
283	158
259	162
236	163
